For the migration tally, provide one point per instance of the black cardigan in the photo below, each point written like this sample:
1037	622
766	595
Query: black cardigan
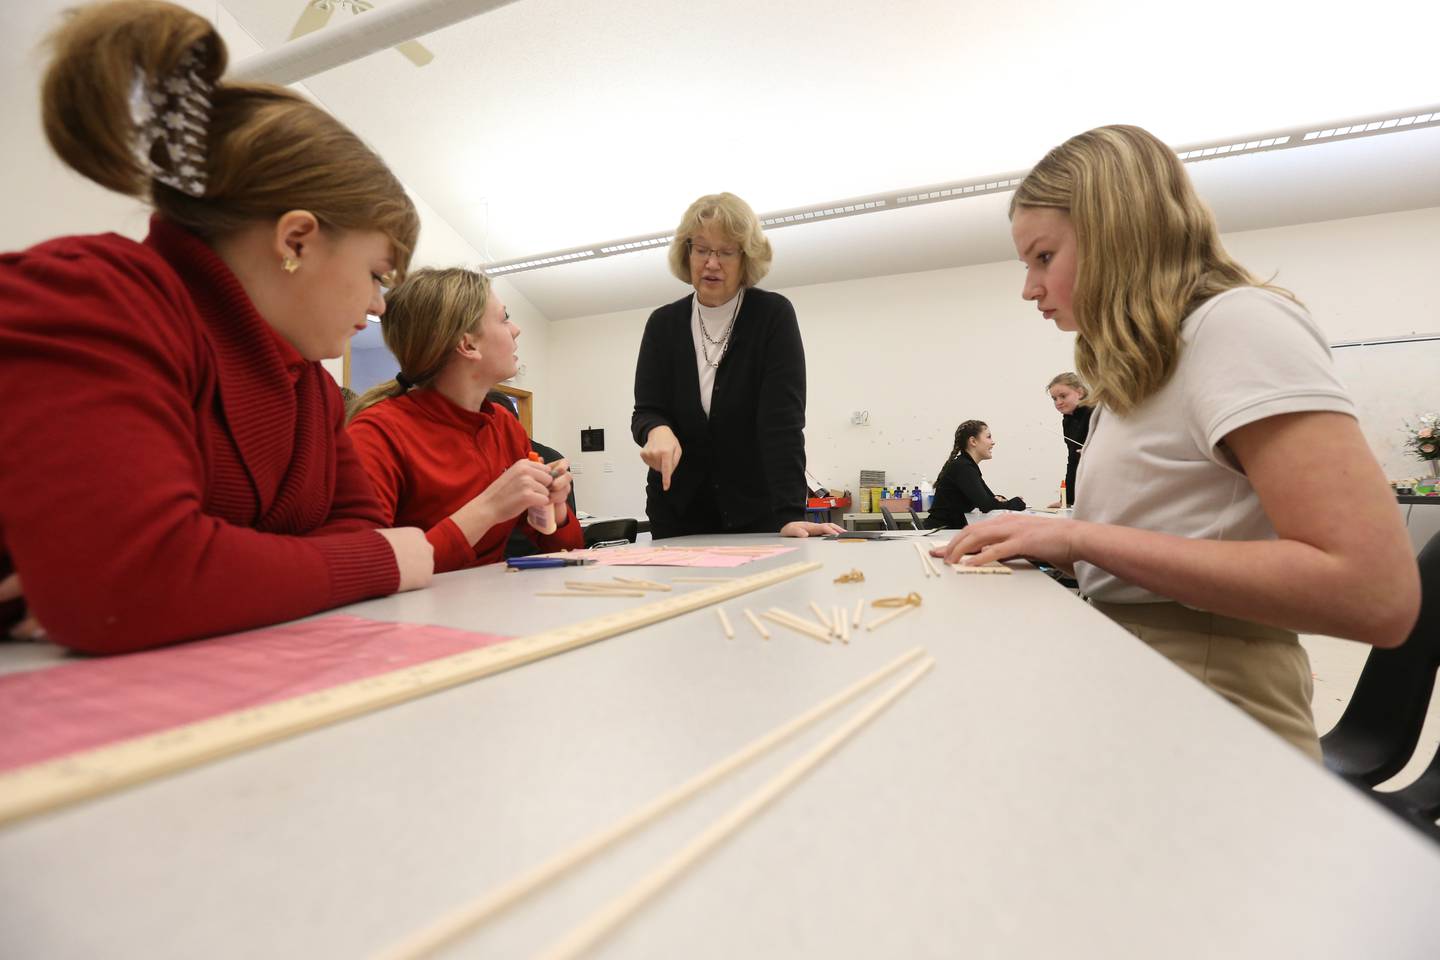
961	489
750	451
1076	427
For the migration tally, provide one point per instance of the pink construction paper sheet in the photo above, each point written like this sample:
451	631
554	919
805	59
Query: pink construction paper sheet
675	556
56	711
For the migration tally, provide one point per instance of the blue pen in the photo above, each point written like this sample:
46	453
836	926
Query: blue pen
536	563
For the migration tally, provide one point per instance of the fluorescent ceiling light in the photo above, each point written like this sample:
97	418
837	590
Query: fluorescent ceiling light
1288	139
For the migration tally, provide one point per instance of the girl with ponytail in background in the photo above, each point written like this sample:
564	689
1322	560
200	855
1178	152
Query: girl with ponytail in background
960	489
173	462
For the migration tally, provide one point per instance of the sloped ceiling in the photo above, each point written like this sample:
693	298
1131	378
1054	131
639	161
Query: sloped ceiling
550	123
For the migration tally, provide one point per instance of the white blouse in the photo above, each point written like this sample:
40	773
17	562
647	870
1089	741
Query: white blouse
718	323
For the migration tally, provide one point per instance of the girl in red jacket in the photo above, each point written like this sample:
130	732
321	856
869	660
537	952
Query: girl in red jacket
441	456
172	459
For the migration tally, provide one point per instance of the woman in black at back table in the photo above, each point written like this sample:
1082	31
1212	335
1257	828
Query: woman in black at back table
960	488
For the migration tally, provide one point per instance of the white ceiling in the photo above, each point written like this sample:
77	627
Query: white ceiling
551	123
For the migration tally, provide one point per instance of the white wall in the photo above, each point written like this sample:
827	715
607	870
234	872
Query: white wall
1362	278
924	351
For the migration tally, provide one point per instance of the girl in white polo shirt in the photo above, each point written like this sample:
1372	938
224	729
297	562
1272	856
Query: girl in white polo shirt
1231	499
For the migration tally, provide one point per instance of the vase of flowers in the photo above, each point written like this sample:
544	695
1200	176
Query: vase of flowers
1423	439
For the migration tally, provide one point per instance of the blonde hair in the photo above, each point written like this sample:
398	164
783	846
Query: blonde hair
268	150
425	317
1147	254
1070	380
739	224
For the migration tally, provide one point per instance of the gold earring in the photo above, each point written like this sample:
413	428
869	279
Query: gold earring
290	264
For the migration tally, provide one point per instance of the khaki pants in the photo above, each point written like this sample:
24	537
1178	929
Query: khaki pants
1262	670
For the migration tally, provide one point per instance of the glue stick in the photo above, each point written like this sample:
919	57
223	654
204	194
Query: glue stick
541	518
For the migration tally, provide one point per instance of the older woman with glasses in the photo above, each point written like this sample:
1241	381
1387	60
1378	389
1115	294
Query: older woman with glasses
720	387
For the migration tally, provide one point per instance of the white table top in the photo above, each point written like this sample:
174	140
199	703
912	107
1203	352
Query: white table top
1051	788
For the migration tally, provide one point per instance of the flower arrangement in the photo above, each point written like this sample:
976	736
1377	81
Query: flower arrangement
1423	437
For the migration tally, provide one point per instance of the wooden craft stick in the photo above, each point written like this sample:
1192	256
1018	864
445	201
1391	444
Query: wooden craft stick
701	579
840	630
928	564
859	611
755	622
591	586
824	621
645	584
608	918
881	621
994	568
787	619
798	624
725	624
590	593
757	551
924	567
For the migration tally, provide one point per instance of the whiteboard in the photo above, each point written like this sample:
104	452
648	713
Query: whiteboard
1391	383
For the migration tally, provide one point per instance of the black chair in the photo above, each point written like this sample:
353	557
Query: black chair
1381	725
915	521
609	531
888	519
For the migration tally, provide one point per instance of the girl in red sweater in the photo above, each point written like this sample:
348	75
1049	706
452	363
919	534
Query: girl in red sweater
172	459
439	454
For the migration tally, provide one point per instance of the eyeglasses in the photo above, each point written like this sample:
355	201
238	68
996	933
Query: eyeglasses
703	254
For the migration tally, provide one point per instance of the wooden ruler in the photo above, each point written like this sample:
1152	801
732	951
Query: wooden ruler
78	776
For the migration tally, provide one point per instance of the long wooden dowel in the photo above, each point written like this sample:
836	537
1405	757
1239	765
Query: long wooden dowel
88	773
464	919
606	920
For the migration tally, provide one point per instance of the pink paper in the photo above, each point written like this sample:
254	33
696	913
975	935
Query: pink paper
675	556
59	710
